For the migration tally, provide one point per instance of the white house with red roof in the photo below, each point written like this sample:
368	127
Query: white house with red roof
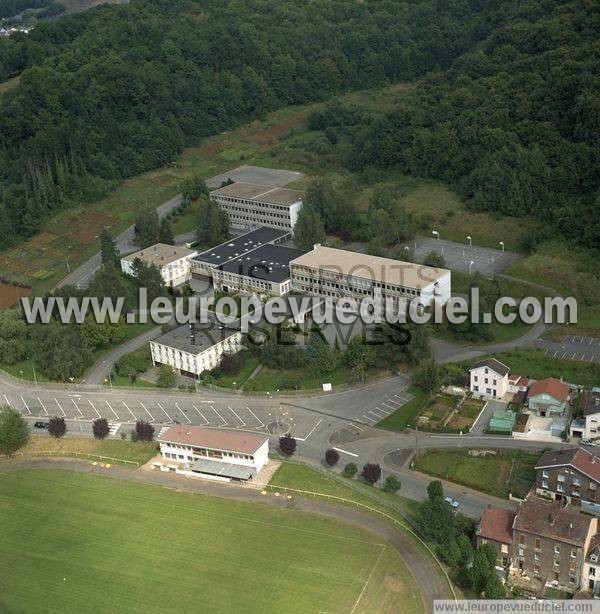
215	453
548	396
489	379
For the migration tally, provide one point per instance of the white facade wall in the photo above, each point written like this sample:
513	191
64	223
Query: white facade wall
188	454
485	382
312	280
592	428
244	213
226	281
195	363
175	273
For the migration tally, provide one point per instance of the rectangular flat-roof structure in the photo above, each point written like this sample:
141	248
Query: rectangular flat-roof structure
222	469
206	335
255	174
242	244
375	268
260	194
238	442
160	254
268	262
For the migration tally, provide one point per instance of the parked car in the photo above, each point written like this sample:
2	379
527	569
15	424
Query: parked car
41	425
452	503
587	442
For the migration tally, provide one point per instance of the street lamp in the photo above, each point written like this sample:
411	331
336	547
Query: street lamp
502	244
471	265
470	240
436	233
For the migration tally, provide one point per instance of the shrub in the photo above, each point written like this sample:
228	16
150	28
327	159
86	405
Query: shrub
57	427
287	444
138	361
391	484
166	377
332	457
13	430
144	430
350	470
371	472
231	364
100	428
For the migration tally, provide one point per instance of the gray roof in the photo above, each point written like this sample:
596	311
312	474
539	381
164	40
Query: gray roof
499	367
261	193
591	403
255	174
206	335
268	262
160	254
241	245
229	470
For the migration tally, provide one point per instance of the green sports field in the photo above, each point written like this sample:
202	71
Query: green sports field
74	542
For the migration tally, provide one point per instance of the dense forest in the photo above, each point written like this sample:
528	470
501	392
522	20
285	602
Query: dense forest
506	106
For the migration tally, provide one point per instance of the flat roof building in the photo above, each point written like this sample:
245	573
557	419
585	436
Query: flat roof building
215	453
192	349
249	205
172	261
338	273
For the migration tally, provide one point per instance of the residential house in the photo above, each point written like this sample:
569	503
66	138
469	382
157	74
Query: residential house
489	379
495	528
550	542
548	396
517	383
591	568
591	413
571	474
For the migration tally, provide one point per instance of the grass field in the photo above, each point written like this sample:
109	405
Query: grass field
405	415
532	363
495	475
95	544
135	451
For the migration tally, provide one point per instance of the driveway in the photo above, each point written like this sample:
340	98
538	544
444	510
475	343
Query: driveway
486	413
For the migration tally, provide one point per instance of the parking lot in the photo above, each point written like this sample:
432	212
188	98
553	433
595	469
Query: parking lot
458	256
585	349
80	411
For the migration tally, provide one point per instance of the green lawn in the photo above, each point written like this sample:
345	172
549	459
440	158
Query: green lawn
532	363
405	415
495	475
136	451
74	542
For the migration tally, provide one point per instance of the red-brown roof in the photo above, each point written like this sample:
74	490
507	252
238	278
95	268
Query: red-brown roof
496	524
518	380
215	439
578	458
550	386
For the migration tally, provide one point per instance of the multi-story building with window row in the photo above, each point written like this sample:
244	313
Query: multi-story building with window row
249	205
338	273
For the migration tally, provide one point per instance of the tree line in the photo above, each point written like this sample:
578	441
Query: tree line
119	90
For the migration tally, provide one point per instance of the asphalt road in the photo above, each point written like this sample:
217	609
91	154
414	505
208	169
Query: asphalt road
582	349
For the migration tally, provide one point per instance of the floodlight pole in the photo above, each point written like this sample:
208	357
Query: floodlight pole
470	240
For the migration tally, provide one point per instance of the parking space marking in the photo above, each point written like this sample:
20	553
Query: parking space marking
146	410
311	431
97	412
183	412
376	415
7	401
201	415
236	415
346	452
220	416
113	411
127	408
379	412
43	406
262	424
64	415
77	408
370	419
389	407
395	402
164	412
356	426
26	406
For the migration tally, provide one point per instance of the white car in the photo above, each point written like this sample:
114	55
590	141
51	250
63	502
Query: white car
587	442
452	503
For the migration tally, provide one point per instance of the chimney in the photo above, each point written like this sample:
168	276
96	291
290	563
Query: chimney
193	333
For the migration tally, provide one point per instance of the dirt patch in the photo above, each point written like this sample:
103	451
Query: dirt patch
42	239
272	135
208	149
393	584
9	295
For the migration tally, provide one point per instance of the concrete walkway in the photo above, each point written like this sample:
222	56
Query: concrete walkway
424	569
